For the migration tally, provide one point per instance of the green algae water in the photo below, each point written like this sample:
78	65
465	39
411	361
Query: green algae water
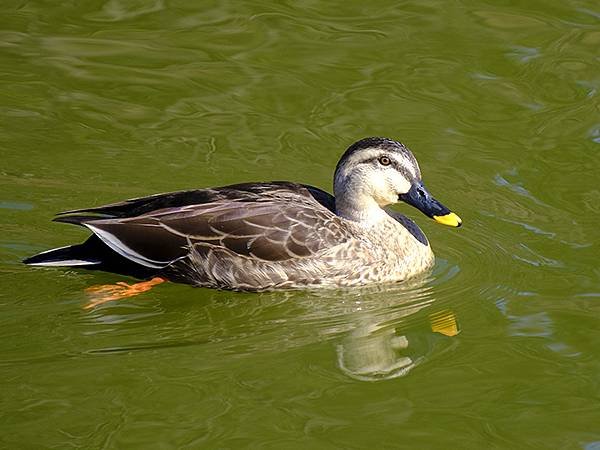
498	347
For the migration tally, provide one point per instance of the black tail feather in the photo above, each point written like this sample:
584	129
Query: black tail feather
78	219
73	255
92	254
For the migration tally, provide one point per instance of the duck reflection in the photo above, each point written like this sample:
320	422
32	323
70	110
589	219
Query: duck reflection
376	333
388	341
370	354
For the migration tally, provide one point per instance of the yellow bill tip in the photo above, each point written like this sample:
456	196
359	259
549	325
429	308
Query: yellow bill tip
450	219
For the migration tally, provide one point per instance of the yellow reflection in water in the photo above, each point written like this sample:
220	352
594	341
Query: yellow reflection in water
444	322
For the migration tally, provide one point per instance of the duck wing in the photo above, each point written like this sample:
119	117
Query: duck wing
243	192
268	221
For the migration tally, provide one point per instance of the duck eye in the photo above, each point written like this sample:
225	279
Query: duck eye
385	161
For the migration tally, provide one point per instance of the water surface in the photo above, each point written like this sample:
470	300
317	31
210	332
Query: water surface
497	348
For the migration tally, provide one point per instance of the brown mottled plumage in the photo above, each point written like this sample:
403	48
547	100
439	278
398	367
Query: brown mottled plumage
259	236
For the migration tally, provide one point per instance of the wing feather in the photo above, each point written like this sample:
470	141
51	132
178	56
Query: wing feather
271	222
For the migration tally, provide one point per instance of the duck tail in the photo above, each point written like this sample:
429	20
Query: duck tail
72	255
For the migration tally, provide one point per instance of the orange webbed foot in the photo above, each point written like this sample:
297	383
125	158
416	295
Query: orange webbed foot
104	293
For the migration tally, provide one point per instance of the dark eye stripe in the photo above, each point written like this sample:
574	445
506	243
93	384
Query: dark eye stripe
370	160
407	174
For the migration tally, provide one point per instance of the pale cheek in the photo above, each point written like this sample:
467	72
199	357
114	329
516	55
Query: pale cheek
391	198
381	191
386	190
401	184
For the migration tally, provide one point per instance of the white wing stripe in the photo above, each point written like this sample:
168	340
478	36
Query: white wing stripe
65	263
118	246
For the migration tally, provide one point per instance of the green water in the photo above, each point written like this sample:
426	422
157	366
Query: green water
101	101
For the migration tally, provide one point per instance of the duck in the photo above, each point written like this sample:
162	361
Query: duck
268	235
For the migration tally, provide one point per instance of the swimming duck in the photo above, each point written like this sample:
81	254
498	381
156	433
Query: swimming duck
276	235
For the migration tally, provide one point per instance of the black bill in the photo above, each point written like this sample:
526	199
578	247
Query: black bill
421	199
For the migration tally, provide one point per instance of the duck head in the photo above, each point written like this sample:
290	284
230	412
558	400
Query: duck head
376	172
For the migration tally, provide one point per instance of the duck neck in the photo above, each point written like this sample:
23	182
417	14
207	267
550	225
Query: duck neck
354	204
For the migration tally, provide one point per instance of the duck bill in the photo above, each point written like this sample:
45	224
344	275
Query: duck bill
420	198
